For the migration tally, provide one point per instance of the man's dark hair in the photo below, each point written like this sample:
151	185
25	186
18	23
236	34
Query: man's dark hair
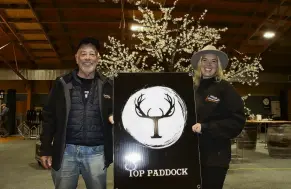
89	40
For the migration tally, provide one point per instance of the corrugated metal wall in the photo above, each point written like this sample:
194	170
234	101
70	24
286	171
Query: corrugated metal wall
32	74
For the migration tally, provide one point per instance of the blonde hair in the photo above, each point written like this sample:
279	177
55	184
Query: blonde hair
197	73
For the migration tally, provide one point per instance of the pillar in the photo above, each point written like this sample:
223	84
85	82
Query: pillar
28	98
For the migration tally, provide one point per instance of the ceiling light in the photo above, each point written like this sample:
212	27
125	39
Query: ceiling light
269	35
136	28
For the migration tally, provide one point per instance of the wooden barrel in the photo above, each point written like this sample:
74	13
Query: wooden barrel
248	137
279	140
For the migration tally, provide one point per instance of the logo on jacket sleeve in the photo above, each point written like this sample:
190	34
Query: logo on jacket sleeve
211	98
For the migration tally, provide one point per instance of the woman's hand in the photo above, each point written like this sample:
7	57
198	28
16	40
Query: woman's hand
196	128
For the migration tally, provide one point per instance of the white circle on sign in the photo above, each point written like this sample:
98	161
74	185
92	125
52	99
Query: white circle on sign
155	116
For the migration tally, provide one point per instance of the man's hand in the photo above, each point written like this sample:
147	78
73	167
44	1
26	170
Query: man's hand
111	119
46	161
196	128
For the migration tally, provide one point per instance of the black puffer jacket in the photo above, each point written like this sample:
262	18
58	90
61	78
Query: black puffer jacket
220	110
85	123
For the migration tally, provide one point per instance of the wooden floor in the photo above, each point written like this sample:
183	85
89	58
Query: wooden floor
10	138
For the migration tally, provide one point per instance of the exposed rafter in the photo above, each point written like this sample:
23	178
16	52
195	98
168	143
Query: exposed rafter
43	28
275	10
13	31
246	24
224	5
62	41
64	28
22	46
210	17
277	27
12	68
49	29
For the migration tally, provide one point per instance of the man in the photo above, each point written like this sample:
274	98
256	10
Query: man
76	121
3	120
4	110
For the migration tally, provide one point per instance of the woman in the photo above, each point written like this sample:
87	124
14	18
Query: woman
220	115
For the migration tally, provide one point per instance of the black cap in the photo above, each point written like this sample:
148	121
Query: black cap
89	40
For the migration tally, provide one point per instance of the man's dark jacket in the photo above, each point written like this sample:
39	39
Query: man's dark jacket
55	116
220	111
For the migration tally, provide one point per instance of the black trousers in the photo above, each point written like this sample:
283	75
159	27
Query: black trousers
213	177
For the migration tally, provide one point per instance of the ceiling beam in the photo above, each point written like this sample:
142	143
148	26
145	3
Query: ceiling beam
102	36
64	21
13	31
113	26
220	5
12	68
43	65
280	49
247	25
278	28
60	16
231	30
209	19
270	15
42	27
26	51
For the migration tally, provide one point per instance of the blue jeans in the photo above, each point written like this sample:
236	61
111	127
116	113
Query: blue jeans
85	160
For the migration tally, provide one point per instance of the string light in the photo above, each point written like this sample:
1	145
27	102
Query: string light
166	47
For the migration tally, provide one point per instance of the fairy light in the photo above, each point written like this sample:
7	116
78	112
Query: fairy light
168	46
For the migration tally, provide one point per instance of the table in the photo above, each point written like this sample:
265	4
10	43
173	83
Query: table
265	123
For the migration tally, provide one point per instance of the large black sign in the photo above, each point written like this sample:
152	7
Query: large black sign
154	146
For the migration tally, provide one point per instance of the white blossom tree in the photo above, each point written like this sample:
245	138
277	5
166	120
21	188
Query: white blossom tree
244	70
166	44
167	41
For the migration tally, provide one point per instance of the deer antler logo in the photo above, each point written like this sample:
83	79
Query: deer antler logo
156	119
143	113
